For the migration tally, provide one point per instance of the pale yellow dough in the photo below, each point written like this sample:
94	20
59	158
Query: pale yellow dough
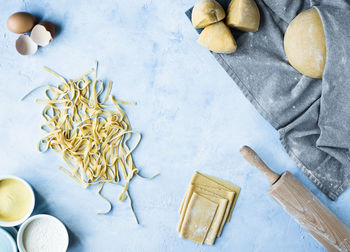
219	219
204	180
305	44
218	191
198	219
231	187
217	38
243	15
206	12
205	184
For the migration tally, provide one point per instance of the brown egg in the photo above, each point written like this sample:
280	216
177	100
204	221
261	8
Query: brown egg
20	22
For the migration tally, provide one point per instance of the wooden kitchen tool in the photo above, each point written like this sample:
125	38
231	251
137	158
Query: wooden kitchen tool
303	206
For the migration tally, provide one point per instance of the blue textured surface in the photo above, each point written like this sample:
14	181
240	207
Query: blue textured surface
189	111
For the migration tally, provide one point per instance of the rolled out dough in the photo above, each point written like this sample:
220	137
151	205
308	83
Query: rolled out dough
219	219
231	187
198	219
229	196
203	180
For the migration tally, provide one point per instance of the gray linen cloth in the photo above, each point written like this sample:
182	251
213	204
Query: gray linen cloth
311	115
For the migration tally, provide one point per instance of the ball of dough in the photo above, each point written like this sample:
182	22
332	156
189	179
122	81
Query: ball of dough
243	15
305	44
218	38
206	12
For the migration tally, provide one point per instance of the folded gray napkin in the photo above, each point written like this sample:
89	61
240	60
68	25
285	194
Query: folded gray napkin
311	115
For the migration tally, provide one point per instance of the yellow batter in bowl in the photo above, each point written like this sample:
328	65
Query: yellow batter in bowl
16	200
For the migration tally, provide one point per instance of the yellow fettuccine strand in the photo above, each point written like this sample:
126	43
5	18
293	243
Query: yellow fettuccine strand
90	135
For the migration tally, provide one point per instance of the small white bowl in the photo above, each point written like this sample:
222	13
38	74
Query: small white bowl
10	244
18	222
21	231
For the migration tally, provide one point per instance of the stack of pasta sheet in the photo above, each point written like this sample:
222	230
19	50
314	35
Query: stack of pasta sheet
206	207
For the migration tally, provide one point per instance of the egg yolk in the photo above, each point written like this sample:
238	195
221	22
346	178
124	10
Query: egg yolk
15	200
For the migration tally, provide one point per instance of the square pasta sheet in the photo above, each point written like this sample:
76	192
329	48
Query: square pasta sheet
222	194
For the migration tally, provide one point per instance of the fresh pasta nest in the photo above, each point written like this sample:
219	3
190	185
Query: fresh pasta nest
91	136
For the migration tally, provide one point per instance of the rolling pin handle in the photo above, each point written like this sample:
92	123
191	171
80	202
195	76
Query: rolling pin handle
256	161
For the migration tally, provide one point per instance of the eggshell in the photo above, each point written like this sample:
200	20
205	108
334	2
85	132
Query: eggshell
21	22
25	45
43	33
49	27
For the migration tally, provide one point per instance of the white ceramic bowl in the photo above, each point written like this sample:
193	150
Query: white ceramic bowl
7	239
21	231
18	222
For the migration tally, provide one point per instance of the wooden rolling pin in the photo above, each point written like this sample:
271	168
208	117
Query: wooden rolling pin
303	206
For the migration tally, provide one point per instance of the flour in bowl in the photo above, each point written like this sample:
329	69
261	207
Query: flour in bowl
45	235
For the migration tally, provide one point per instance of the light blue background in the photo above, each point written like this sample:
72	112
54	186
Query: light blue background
191	115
